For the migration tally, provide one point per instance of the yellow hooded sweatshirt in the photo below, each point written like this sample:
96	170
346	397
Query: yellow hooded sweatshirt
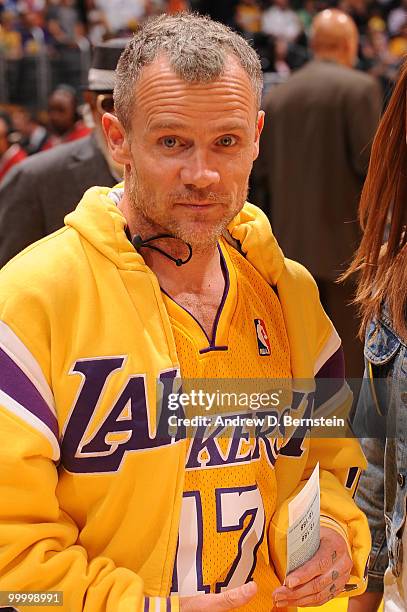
83	327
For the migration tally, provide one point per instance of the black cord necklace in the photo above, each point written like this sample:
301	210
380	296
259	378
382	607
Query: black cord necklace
138	242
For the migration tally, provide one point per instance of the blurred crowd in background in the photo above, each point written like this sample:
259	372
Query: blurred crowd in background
46	43
63	31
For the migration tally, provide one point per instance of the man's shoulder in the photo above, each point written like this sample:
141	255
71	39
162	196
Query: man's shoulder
299	271
56	158
43	286
51	260
291	89
304	288
354	77
325	76
334	70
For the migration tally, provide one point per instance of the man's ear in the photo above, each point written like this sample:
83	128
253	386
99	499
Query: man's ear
116	139
259	129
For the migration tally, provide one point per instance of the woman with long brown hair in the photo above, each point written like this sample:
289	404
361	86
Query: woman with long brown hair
381	263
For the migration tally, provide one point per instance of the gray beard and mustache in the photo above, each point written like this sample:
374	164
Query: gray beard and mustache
200	238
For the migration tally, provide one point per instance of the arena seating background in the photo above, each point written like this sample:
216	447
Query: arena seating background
46	42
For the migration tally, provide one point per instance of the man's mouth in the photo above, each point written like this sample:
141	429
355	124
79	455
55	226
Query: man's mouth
197	205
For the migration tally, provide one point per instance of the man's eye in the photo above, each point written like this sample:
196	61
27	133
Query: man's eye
170	142
227	141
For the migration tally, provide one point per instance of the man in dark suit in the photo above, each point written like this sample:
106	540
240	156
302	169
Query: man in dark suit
38	193
314	156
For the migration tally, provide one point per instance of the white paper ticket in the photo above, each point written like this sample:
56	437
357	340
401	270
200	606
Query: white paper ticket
303	524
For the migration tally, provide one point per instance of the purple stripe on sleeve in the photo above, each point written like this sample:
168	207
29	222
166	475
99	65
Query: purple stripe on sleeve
146	604
330	378
334	367
168	607
19	387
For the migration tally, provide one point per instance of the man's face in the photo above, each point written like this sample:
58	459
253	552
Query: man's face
192	147
61	112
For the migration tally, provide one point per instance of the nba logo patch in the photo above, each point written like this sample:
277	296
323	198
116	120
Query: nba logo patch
263	341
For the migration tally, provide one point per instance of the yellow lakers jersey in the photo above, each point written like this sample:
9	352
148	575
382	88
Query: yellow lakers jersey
94	485
228	501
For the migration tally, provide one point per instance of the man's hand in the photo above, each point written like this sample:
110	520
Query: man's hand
321	578
228	600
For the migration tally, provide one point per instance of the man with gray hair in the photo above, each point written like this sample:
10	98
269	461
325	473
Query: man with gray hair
122	492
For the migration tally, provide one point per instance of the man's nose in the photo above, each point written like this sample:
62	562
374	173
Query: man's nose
199	172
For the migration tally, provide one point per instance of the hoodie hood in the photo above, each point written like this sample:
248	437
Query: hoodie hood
98	219
252	229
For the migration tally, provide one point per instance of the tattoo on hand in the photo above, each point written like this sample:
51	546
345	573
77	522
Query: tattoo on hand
334	555
335	575
332	588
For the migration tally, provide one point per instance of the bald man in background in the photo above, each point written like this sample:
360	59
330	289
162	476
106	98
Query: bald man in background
314	157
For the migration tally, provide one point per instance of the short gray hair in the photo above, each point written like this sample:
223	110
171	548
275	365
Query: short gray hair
196	48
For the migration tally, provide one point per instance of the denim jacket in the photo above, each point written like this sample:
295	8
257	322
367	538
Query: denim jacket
381	421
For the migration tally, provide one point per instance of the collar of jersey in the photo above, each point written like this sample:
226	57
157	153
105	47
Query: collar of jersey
190	326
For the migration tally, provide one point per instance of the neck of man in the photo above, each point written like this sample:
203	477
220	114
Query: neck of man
201	276
330	56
